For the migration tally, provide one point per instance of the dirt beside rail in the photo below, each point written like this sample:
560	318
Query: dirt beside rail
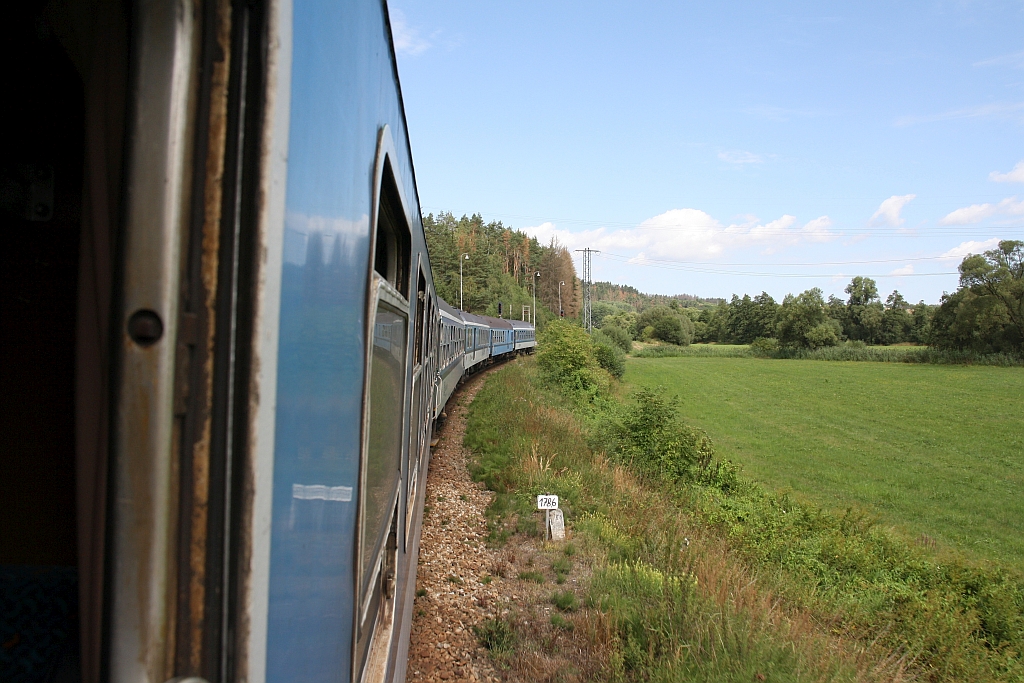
454	563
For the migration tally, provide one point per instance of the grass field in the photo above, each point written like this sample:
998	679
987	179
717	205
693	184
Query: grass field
933	450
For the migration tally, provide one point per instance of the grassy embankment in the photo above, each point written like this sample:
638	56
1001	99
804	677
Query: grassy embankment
699	575
937	450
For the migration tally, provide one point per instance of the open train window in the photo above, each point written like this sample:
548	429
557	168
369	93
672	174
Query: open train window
421	313
393	244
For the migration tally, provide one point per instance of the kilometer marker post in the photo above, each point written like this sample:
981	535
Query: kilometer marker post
547	503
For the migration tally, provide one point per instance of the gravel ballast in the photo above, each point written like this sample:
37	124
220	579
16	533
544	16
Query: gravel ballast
454	560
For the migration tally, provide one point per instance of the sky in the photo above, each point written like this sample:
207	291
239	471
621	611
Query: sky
726	148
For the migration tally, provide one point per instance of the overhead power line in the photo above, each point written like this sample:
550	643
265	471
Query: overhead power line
632	260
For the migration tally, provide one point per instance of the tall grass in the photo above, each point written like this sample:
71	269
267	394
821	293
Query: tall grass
843	352
902	354
694	351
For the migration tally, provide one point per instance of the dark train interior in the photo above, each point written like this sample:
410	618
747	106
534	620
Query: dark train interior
63	113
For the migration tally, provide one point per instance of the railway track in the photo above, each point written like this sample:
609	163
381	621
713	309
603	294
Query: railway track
453	595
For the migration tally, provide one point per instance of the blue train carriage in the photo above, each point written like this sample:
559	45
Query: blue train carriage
524	335
222	383
502	339
478	342
451	351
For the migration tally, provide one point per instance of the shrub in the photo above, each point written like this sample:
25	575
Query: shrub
619	337
609	356
667	325
496	635
764	347
564	600
669	329
558	621
653	440
825	334
566	358
534	576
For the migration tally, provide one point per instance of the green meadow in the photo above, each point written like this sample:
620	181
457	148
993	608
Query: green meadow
935	451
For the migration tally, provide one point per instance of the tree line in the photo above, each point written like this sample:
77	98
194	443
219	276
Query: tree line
984	315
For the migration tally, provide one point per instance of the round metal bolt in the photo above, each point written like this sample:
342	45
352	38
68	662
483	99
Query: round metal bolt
145	327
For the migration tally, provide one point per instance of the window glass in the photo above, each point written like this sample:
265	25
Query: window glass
384	449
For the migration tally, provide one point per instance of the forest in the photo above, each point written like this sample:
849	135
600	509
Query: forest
498	267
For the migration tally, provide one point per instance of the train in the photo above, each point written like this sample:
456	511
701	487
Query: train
225	358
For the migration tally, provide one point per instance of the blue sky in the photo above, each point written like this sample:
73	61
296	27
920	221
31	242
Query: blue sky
721	148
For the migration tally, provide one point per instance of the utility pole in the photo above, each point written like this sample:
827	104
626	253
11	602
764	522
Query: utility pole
588	323
462	257
560	314
533	312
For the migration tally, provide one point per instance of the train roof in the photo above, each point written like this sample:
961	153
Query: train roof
473	318
497	323
447	308
521	324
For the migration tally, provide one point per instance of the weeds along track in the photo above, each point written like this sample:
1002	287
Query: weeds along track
464	586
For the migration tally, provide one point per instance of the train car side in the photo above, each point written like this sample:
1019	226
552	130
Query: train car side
502	339
477	341
451	354
524	336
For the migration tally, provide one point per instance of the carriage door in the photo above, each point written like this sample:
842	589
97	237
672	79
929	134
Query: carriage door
384	413
417	432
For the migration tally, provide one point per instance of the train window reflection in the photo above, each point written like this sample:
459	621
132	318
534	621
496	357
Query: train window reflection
384	447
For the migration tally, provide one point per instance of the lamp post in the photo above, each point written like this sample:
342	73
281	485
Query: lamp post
560	298
534	310
462	257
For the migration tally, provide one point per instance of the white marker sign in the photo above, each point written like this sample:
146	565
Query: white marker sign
556	525
547	502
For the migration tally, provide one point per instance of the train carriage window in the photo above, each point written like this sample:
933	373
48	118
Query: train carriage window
393	243
421	312
386	408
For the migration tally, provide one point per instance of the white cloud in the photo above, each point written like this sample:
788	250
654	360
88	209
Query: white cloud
975	213
969	214
1014	176
740	157
999	109
818	230
408	40
960	251
689	234
889	211
905	270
